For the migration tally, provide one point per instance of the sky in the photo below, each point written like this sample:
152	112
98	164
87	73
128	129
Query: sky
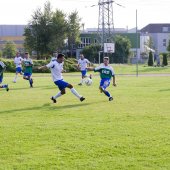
148	11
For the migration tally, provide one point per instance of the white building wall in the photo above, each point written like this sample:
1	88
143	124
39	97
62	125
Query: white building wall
160	41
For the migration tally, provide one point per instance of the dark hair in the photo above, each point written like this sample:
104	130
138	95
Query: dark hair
60	55
26	52
107	58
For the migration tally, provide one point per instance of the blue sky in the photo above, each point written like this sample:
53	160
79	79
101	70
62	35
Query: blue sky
149	11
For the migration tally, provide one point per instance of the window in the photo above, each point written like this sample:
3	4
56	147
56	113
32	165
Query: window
164	29
95	40
85	41
164	42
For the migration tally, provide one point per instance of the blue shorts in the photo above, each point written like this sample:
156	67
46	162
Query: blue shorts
1	78
61	84
18	70
83	72
104	83
27	74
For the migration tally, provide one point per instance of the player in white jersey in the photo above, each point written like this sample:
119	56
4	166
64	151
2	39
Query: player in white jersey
82	65
18	63
56	67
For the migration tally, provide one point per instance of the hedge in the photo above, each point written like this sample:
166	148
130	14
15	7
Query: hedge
70	65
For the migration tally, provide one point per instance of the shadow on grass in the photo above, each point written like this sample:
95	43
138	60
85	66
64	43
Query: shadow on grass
162	90
35	87
50	107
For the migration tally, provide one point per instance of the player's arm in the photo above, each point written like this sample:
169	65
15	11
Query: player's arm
78	65
50	65
42	67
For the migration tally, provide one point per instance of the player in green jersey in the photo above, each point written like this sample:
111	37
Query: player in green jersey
28	63
2	69
106	73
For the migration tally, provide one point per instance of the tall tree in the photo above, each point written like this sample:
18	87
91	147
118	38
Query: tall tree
122	49
91	52
38	32
59	31
73	31
150	59
9	49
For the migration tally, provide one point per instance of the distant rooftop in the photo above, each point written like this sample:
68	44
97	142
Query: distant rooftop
94	30
12	30
156	28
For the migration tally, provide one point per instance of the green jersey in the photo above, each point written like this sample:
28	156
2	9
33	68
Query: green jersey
28	65
106	72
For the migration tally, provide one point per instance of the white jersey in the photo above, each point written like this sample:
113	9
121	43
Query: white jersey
56	70
18	61
83	63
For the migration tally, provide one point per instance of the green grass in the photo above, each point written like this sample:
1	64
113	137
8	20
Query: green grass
130	133
142	69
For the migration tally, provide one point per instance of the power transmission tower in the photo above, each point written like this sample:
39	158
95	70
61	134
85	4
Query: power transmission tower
105	22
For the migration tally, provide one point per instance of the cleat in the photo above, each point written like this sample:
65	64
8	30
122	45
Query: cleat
14	81
54	100
80	84
82	98
7	88
90	76
110	98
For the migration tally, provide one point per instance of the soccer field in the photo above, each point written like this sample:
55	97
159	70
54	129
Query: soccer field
132	132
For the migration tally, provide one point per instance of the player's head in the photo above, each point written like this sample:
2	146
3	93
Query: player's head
81	56
17	53
26	55
60	58
106	60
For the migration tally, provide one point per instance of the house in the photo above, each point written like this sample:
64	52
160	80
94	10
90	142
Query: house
12	33
160	35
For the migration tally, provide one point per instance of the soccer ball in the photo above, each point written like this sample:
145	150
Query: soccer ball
88	82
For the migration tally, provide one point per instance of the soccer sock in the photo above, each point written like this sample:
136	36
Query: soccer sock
75	93
30	81
4	86
107	93
57	95
82	81
15	79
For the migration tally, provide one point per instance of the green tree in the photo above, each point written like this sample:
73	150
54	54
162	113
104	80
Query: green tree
0	53
164	61
9	49
122	49
59	31
150	60
91	52
73	31
37	33
168	47
46	31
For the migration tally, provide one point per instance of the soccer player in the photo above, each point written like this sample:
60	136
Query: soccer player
56	67
2	69
18	62
28	63
82	65
106	73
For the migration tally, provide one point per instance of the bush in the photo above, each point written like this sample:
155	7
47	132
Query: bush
70	65
164	61
150	60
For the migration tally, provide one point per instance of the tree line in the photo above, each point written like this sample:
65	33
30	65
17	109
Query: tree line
50	31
